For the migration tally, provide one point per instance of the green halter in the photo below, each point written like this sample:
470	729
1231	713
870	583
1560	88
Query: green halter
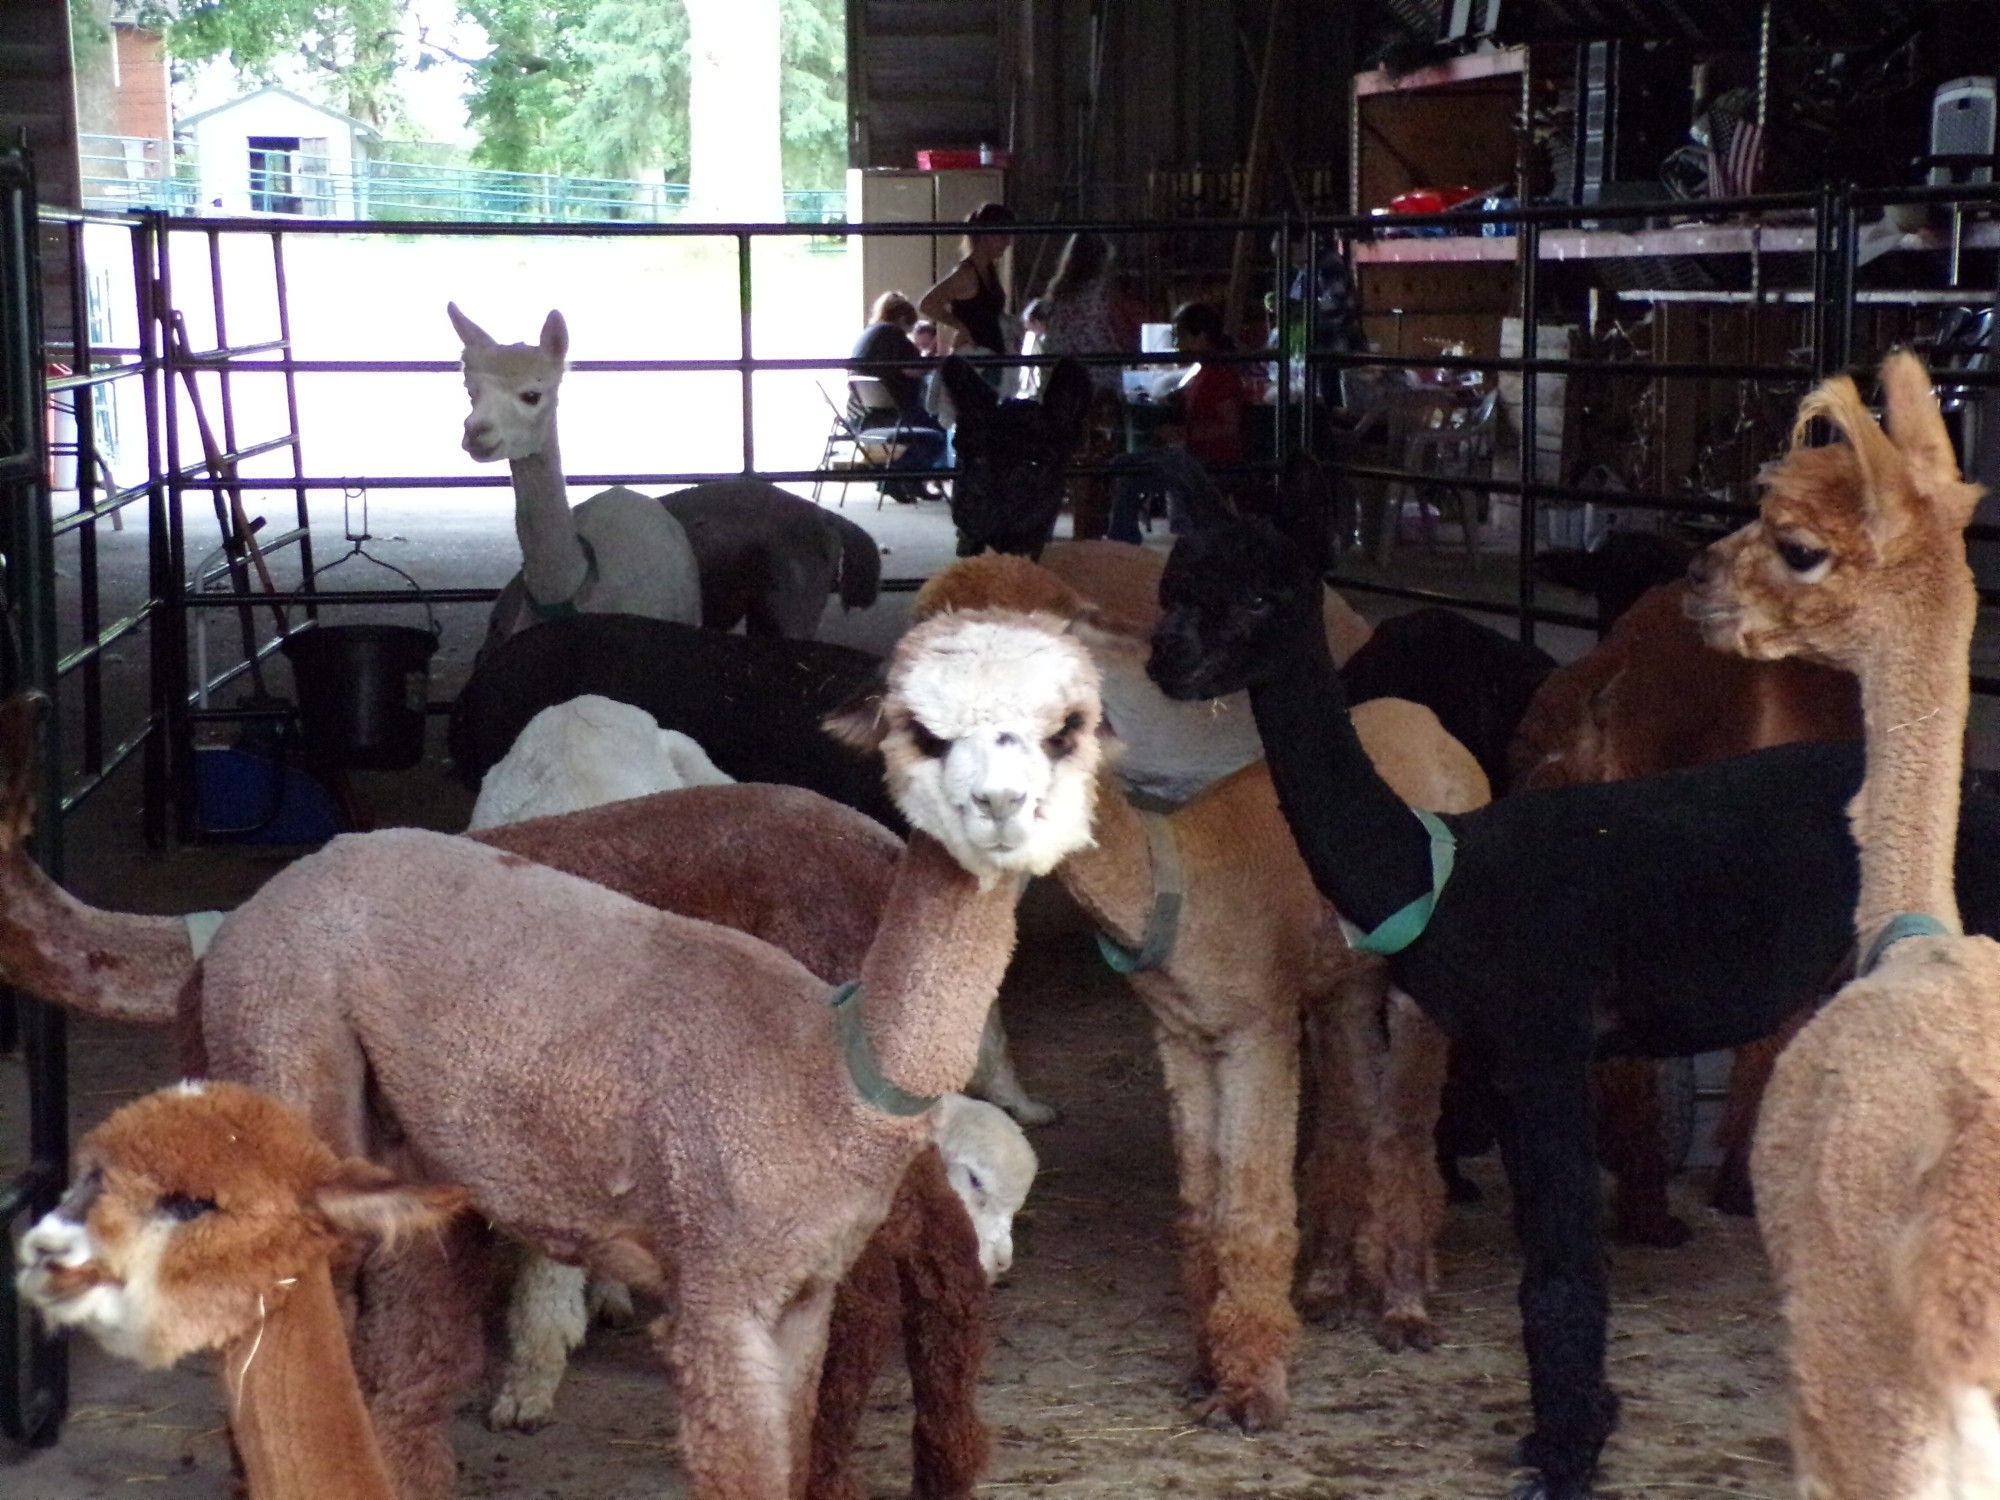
1400	929
861	1065
1163	922
1906	924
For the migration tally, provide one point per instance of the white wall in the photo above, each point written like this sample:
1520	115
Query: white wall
222	151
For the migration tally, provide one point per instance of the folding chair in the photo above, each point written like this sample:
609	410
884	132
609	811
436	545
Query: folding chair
867	448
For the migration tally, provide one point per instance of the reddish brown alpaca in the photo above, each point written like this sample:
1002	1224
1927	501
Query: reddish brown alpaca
207	1217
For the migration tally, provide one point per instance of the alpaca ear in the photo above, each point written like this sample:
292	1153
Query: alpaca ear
361	1198
20	730
1838	402
555	336
859	723
1916	427
1066	398
970	394
470	333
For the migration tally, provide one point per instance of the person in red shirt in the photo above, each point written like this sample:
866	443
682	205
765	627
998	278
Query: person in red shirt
1207	433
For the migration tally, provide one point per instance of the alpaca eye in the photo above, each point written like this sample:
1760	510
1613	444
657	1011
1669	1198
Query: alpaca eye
181	1208
1063	740
1801	558
928	744
1258	604
975	1181
531	398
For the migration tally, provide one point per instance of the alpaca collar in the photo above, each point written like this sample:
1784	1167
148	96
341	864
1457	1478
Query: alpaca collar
861	1065
567	607
1163	922
1401	928
1905	924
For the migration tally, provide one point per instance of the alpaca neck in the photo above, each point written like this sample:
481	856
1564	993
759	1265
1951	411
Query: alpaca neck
936	963
1366	850
296	1409
552	559
108	964
1915	695
1112	880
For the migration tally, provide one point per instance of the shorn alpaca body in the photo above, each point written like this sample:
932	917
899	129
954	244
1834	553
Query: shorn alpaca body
1877	1159
739	1159
1666	916
205	1217
1256	948
619	551
769	560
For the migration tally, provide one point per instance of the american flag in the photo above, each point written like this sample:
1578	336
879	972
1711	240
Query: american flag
1736	162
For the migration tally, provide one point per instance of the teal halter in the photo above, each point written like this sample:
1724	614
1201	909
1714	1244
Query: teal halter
861	1065
1906	924
566	608
1163	922
1401	928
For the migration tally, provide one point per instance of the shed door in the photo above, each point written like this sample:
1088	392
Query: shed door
922	73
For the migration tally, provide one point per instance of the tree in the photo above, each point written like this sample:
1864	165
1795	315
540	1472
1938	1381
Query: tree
813	91
528	84
351	43
631	113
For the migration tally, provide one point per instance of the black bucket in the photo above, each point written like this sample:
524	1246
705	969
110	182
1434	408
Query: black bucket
362	691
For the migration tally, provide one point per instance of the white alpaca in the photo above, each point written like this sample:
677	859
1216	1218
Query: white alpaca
585	752
619	552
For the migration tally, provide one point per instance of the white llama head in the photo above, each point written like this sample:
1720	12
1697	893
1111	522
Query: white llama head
513	389
988	730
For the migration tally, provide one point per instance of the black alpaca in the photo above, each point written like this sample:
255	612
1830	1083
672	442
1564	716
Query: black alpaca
1661	917
754	703
1009	487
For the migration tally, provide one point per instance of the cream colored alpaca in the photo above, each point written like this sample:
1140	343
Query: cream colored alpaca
1877	1157
619	552
662	1101
204	1217
1256	948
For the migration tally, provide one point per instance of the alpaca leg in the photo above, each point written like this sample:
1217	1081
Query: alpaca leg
1864	1425
865	1307
944	1302
801	1337
740	1399
1632	1128
1398	1235
1551	1167
1253	1329
1749	1072
1335	1174
1191	1108
994	1079
546	1319
417	1345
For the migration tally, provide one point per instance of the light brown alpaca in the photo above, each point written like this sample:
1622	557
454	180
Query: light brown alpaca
205	1217
665	1102
1255	948
1878	1151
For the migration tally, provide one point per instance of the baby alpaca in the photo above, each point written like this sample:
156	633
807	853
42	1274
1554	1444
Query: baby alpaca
1878	1151
205	1217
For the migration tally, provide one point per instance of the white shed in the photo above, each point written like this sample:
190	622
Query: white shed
277	152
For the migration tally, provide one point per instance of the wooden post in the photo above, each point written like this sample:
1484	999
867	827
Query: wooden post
1253	171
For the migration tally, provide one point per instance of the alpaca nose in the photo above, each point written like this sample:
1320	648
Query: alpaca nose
1702	568
1000	805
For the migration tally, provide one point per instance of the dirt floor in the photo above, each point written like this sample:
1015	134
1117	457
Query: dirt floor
1089	1339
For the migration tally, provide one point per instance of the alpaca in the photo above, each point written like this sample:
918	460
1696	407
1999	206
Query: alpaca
768	559
699	1122
1666	916
1253	948
206	1217
618	551
1011	456
588	751
1618	571
1876	1153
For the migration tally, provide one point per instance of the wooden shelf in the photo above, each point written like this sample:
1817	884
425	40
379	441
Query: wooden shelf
1470	68
1615	244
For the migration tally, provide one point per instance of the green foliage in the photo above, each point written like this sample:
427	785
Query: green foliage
351	42
528	83
812	36
632	115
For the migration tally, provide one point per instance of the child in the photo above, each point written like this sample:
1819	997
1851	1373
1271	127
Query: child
1207	432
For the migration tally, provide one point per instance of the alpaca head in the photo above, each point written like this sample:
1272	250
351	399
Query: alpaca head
988	731
190	1207
1238	603
512	387
1011	454
1853	538
991	1166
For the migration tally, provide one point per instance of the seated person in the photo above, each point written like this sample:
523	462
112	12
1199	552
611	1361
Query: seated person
925	337
1208	433
885	353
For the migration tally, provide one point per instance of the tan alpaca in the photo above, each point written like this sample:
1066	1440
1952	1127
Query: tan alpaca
1878	1151
205	1217
662	1101
1256	948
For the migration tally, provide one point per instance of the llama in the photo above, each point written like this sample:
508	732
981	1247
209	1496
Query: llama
1875	1155
207	1217
1011	456
669	1103
768	559
617	552
1252	947
1666	916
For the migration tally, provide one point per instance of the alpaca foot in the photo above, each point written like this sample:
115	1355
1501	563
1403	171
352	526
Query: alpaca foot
1397	1331
1541	1489
1324	1297
1258	1409
1732	1193
517	1410
1458	1188
1660	1231
1198	1386
610	1303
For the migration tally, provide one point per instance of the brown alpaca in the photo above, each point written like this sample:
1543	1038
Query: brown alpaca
1879	1145
665	1102
207	1217
1653	697
733	855
1256	948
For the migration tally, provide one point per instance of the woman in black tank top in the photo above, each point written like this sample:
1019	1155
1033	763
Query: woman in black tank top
969	302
